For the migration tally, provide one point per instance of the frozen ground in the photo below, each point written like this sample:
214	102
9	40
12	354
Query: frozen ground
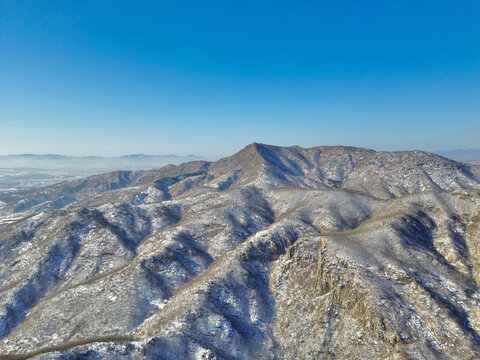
272	253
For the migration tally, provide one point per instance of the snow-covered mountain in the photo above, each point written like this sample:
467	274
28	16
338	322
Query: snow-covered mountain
271	253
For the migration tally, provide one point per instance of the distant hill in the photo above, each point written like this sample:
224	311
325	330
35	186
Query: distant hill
30	171
125	162
465	155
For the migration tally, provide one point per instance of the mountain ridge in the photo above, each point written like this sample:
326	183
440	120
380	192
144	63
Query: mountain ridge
273	166
273	252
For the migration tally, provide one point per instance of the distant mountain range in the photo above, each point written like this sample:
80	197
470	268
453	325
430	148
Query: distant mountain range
465	155
30	171
125	162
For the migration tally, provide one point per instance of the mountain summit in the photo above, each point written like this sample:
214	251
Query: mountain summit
329	252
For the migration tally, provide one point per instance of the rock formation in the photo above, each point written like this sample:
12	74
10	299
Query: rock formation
272	253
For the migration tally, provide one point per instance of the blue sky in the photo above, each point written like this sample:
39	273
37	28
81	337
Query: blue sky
208	77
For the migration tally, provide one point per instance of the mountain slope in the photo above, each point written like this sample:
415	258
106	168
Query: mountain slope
328	252
380	174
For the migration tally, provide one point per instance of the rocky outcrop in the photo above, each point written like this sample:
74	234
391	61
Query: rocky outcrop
272	253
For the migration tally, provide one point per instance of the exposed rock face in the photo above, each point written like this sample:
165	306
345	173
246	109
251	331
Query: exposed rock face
272	253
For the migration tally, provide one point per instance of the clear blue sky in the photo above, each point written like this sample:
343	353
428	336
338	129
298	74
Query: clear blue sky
208	77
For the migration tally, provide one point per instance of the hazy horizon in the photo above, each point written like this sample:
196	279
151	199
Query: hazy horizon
200	156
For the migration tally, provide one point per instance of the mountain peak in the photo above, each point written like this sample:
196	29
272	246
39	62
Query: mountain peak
271	245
